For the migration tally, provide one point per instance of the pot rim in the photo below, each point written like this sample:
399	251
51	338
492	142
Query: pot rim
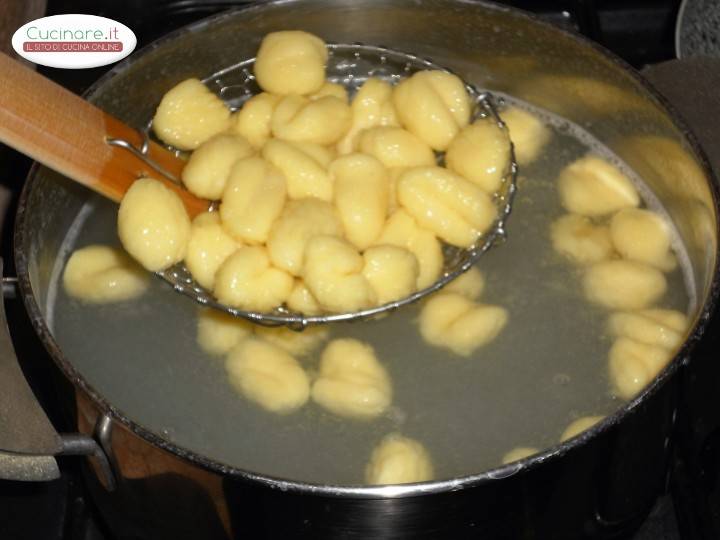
682	357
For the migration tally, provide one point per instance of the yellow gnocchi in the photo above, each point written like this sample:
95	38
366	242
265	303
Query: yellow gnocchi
394	174
218	333
580	240
293	342
591	187
306	175
453	208
361	197
399	460
333	274
208	247
643	236
331	89
434	105
268	376
470	284
153	226
371	106
352	382
253	199
633	365
208	168
576	427
101	274
480	153
623	285
321	121
662	327
299	222
291	62
518	454
403	231
324	155
527	133
253	119
391	271
395	147
452	321
189	114
301	300
247	280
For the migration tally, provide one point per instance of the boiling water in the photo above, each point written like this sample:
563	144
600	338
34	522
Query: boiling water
547	367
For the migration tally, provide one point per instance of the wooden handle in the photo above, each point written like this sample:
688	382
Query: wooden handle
52	125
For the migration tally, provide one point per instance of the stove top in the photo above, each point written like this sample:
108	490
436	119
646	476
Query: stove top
640	31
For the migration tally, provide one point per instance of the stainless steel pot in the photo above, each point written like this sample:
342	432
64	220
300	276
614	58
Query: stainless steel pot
595	486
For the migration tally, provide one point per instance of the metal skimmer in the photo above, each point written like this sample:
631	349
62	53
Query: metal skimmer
351	66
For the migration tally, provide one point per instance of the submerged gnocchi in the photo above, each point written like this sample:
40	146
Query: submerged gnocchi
268	376
455	322
352	382
399	460
102	275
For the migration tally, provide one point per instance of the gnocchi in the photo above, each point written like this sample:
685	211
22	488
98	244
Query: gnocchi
218	333
454	322
592	187
470	284
153	226
295	343
189	114
580	240
352	382
453	208
253	119
208	247
321	121
633	365
399	460
643	236
623	285
306	176
576	427
268	376
331	89
372	106
301	300
291	62
208	168
395	147
253	199
662	327
361	197
247	280
333	274
433	105
391	271
480	153
527	133
101	274
394	174
403	231
518	454
299	222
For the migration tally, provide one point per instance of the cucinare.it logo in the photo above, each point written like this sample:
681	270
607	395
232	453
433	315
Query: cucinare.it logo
74	41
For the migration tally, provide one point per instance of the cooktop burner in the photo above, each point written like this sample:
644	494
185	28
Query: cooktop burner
640	31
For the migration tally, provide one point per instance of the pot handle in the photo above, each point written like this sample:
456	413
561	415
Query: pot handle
28	441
